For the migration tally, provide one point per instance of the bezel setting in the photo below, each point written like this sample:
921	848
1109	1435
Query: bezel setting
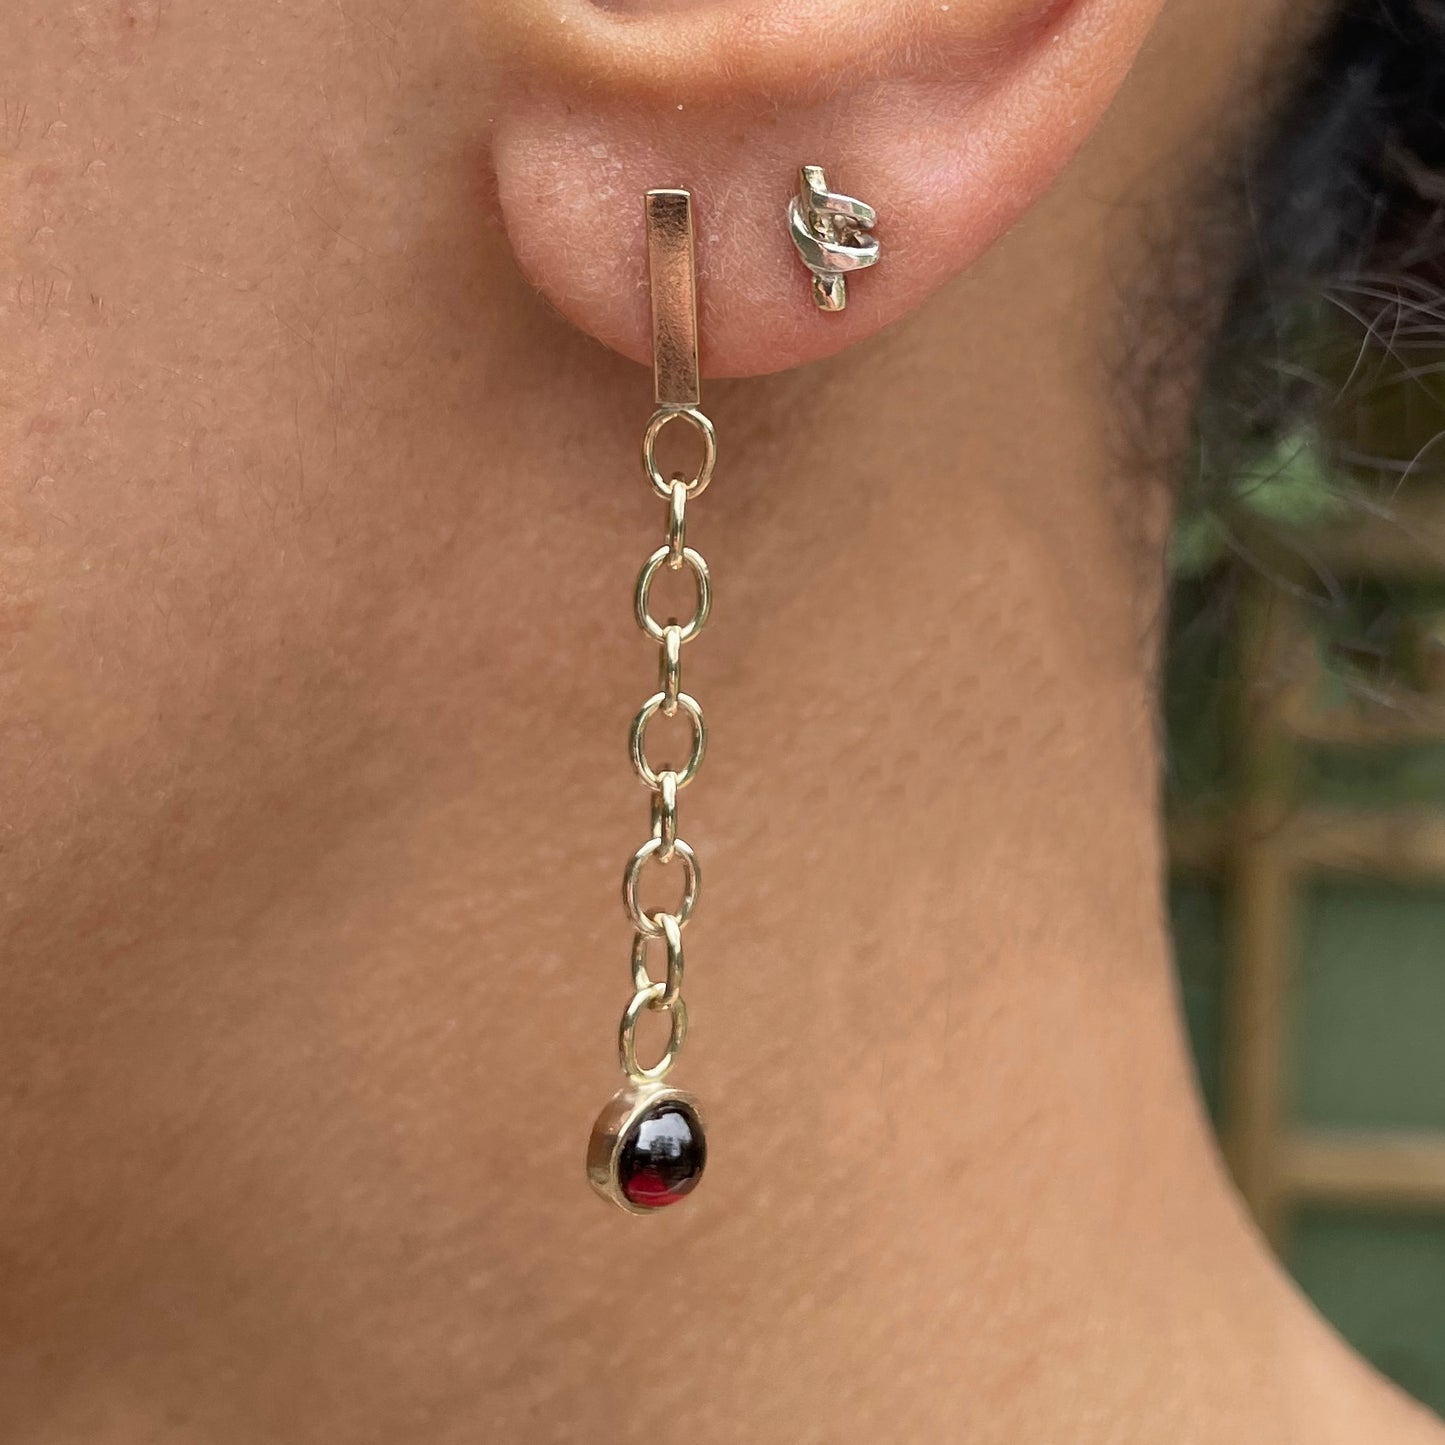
625	1111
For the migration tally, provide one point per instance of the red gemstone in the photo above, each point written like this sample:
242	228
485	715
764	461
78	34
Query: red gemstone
662	1156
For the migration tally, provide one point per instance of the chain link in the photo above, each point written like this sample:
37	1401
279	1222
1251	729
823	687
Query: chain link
704	429
638	741
664	814
677	524
642	981
664	847
669	670
643	600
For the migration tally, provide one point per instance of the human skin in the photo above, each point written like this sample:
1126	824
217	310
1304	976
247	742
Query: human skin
319	531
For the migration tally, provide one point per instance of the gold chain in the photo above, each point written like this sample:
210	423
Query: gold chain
664	847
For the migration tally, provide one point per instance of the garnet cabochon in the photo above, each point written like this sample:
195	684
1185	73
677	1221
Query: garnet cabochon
647	1149
662	1155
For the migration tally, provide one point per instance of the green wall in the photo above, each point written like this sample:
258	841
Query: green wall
1371	1013
1369	1005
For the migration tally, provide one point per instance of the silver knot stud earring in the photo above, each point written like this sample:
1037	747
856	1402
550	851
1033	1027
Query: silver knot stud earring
831	234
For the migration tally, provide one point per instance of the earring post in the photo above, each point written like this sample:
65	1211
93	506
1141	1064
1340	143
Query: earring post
672	275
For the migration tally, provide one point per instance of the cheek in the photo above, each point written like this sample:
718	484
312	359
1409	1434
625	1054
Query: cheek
254	441
276	578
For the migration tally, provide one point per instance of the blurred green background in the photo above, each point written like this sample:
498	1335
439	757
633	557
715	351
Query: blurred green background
1307	794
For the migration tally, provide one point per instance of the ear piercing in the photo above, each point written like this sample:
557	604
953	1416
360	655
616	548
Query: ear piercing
647	1147
830	232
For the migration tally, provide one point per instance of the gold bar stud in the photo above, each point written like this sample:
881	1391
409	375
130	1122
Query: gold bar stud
672	271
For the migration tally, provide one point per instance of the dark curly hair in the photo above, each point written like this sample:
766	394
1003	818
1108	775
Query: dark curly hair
1343	252
1347	202
1328	338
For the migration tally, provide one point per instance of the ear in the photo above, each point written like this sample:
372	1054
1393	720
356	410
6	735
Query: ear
948	117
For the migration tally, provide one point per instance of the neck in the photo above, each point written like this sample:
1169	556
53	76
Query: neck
956	1138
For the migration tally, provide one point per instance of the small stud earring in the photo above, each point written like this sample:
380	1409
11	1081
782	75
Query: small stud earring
830	232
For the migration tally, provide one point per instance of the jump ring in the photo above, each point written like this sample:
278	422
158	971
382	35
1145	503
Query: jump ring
664	814
632	877
677	524
641	979
643	594
638	740
650	998
669	671
704	428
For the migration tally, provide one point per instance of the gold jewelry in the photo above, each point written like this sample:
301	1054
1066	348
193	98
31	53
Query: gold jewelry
830	232
647	1147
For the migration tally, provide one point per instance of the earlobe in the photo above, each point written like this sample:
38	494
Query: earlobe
949	119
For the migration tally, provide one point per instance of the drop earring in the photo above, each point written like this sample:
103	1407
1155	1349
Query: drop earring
647	1148
831	234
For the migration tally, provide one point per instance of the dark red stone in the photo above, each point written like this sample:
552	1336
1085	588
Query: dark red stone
662	1156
